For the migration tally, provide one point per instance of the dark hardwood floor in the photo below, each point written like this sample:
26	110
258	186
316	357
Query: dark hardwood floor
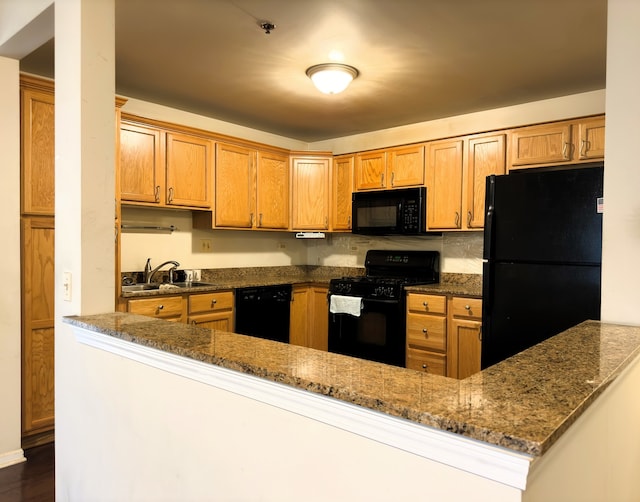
30	481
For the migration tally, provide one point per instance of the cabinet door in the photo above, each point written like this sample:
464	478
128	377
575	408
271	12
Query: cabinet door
141	164
406	167
37	152
37	324
444	185
298	318
222	321
310	193
188	171
486	156
544	144
371	170
234	187
272	197
591	139
466	334
342	192
319	329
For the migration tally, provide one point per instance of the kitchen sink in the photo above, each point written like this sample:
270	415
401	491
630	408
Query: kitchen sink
153	286
140	287
192	284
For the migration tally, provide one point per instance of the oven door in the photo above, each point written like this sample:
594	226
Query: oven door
377	335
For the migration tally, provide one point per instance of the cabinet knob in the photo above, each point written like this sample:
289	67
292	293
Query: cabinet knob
425	367
425	304
467	307
424	330
213	302
160	307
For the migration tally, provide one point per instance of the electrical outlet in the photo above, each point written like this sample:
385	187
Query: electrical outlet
66	286
197	275
188	275
206	245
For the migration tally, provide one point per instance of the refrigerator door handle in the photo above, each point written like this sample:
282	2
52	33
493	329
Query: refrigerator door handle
488	218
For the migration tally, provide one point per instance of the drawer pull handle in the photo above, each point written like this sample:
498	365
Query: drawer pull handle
160	307
425	367
213	302
425	304
424	330
467	307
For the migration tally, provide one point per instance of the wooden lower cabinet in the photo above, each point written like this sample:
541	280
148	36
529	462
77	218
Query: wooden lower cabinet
427	333
207	310
212	310
309	317
443	334
465	327
37	325
164	307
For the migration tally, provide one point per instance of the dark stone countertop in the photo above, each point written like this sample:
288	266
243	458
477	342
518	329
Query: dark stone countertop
524	403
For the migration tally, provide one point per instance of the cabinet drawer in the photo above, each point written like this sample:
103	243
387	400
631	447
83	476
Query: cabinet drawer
427	304
426	332
208	302
467	308
165	306
428	362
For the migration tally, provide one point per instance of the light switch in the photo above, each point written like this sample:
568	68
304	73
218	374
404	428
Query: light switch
66	286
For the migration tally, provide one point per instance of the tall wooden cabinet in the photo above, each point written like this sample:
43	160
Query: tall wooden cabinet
444	184
37	259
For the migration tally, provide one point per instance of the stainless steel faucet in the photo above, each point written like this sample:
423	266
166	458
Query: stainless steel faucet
149	275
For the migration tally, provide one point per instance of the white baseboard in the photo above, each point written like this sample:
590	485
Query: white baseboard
12	458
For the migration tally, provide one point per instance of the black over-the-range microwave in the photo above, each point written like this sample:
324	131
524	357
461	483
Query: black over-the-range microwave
389	212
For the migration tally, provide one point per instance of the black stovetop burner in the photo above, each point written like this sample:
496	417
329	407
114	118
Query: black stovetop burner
387	272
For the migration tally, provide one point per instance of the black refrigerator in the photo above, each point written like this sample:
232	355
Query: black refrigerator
542	256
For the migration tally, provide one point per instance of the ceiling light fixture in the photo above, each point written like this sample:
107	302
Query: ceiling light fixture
332	78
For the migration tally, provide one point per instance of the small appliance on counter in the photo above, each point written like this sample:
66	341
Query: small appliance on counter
367	313
542	250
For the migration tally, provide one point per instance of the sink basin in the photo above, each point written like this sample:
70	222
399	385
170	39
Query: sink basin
139	287
192	284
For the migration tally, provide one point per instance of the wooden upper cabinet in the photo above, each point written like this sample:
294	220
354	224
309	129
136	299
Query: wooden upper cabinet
485	156
566	142
164	168
591	139
544	144
370	170
251	188
341	192
310	177
406	166
444	184
188	170
393	168
142	176
272	191
37	155
234	186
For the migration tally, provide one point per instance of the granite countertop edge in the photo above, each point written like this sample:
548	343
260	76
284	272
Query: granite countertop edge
507	405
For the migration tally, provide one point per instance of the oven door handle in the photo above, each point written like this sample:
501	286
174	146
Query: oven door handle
367	300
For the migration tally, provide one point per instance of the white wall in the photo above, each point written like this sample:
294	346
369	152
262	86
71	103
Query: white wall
621	247
10	367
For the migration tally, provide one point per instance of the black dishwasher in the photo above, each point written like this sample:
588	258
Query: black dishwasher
263	312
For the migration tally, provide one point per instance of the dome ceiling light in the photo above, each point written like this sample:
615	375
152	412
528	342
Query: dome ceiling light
332	78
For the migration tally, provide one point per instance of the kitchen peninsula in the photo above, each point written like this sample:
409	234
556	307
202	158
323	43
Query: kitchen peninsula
249	418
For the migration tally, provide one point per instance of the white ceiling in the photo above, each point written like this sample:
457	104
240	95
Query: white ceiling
419	60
